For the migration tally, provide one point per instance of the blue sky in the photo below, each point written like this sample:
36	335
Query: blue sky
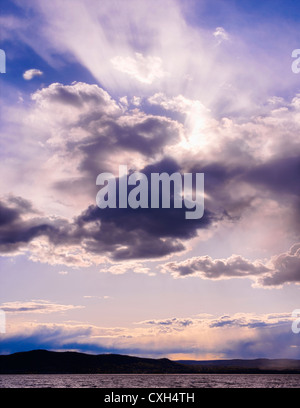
196	86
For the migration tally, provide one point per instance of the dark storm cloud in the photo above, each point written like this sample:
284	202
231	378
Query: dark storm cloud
120	233
11	210
21	233
140	233
276	178
221	179
22	205
125	234
14	229
145	232
279	175
7	215
164	222
275	175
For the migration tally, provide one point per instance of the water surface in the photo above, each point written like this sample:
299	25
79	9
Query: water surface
150	381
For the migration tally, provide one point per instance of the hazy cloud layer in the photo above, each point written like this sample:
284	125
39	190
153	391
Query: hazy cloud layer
36	306
204	337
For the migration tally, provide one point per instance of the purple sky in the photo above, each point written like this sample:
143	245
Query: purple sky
162	86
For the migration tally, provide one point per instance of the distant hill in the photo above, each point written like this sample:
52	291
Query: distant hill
46	362
258	365
51	362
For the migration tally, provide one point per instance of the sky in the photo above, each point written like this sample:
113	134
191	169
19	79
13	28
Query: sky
190	86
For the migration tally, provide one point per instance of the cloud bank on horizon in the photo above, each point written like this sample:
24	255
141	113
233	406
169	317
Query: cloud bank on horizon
167	87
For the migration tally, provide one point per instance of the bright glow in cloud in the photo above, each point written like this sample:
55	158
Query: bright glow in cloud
143	69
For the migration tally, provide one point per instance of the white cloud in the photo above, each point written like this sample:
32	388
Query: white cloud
136	100
73	256
220	34
31	73
105	297
143	69
124	267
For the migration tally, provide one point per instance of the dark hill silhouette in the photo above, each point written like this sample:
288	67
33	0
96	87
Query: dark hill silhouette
69	362
44	362
238	365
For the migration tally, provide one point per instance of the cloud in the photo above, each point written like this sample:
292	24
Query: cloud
143	69
277	175
251	321
85	98
81	131
78	130
170	325
174	96
124	267
207	268
145	42
220	34
63	272
286	268
121	234
106	297
36	306
279	270
31	73
243	335
132	234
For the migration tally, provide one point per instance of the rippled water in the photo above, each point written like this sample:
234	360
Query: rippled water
150	381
